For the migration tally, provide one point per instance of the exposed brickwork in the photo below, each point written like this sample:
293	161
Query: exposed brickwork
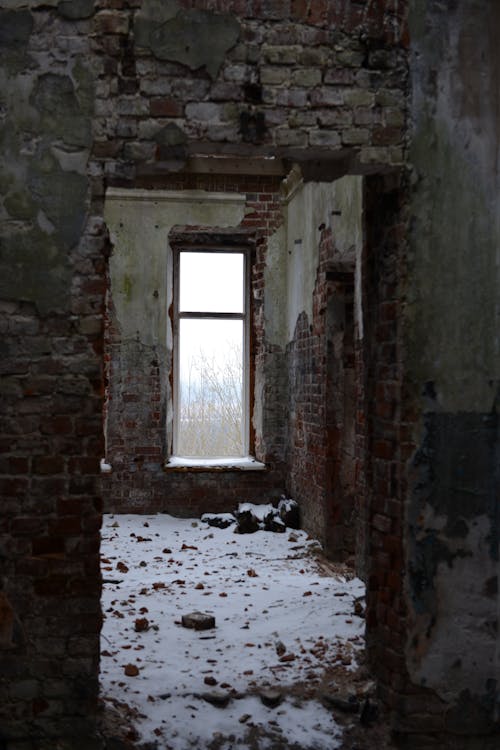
49	534
361	443
321	458
385	480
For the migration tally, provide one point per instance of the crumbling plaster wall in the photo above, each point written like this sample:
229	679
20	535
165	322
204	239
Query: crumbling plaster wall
139	409
141	264
452	344
336	205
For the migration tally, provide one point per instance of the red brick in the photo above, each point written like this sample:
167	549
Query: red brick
383	449
28	526
165	107
48	464
46	545
70	525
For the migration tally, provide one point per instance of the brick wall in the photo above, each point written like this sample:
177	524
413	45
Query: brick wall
322	405
49	542
386	449
317	83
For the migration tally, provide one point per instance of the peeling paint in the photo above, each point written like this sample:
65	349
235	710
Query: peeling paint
332	204
140	222
452	350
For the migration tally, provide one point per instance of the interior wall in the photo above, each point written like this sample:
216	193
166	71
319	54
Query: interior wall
324	242
453	367
139	416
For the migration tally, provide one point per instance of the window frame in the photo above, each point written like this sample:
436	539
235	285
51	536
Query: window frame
224	247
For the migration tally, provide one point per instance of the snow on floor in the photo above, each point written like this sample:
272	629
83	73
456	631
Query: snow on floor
279	624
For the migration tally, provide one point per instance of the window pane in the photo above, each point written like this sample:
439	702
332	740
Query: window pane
211	282
210	420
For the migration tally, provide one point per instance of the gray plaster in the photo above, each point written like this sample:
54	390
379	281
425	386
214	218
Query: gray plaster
45	142
61	114
76	9
15	28
139	223
455	238
171	135
195	38
311	207
34	267
451	331
275	287
62	196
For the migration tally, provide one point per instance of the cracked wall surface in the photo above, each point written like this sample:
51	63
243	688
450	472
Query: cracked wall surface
451	330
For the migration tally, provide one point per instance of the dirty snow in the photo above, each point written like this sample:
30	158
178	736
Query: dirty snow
280	623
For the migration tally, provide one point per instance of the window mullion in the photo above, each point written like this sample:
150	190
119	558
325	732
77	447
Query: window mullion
213	315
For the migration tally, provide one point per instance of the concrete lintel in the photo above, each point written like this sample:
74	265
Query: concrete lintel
260	165
172	196
208	236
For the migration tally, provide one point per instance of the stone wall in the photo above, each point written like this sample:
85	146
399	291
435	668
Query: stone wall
279	78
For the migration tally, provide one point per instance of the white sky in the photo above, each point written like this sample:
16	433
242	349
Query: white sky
211	282
219	339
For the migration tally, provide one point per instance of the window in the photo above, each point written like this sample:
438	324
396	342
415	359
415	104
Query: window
210	353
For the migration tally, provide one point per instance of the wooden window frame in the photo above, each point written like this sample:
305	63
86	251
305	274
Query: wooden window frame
214	243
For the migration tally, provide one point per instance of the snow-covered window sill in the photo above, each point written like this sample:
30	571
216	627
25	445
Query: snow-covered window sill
106	467
246	463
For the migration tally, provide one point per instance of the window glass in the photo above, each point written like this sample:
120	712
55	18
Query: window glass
210	382
211	282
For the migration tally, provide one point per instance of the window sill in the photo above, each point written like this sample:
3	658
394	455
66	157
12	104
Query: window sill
246	463
105	467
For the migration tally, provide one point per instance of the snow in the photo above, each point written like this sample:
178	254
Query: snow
286	504
259	511
246	463
106	468
267	594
